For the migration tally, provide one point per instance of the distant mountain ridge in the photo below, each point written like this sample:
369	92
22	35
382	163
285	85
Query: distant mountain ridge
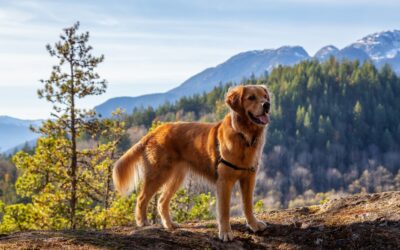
15	132
380	48
242	65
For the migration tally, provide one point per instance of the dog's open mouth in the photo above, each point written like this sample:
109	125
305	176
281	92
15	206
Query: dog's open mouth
259	119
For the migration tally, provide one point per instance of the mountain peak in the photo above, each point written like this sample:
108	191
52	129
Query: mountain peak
380	45
295	50
325	52
380	36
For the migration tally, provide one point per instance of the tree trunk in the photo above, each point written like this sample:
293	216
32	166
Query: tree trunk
73	151
107	192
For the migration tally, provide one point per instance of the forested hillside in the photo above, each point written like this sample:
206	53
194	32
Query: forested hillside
334	126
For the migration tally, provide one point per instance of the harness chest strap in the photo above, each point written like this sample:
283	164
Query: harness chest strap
229	164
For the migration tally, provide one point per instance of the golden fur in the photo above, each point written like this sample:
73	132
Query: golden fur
163	157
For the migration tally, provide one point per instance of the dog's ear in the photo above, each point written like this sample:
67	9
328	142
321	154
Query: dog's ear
266	91
234	98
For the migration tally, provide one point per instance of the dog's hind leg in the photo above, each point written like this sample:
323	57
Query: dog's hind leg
155	176
168	190
150	187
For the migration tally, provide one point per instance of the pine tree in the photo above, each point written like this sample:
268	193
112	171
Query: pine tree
71	79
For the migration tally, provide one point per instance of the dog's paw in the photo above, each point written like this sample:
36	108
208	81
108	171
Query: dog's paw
257	226
175	225
170	225
226	236
142	223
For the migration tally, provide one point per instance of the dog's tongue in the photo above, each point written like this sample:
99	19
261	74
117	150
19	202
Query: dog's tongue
263	118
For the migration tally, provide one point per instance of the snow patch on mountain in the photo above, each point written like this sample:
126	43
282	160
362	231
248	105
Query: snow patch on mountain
326	52
381	45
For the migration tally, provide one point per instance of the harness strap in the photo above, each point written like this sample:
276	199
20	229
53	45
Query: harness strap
228	164
231	165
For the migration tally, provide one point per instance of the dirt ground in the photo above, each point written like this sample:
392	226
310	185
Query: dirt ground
355	222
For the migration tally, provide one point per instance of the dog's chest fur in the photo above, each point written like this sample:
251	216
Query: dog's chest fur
241	149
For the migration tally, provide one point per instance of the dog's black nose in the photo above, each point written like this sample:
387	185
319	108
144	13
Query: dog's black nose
266	107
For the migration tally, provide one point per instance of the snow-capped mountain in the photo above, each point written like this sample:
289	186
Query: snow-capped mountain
326	52
380	46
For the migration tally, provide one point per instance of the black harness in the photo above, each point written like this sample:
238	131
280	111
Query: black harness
229	164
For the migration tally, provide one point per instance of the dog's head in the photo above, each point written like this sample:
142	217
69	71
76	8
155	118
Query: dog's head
251	102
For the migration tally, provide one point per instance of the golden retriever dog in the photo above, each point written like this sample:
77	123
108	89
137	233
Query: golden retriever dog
223	153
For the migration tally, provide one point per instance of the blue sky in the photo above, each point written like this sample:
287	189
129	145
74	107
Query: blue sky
153	46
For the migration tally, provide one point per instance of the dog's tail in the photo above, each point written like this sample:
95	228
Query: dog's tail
126	172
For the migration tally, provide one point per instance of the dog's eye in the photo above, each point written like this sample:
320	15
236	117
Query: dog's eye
266	97
252	97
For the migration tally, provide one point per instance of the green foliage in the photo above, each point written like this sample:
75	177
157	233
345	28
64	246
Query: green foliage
45	180
154	125
186	206
119	214
259	206
19	217
8	176
202	207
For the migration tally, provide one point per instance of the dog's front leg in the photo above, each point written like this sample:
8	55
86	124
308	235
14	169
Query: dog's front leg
224	189
247	188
